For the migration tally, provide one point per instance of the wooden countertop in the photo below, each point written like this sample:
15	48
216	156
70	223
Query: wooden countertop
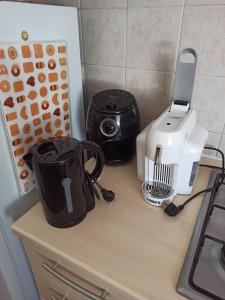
129	242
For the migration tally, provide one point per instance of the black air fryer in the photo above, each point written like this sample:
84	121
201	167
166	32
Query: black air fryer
113	122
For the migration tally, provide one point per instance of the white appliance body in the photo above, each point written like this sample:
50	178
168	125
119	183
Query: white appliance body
42	22
168	152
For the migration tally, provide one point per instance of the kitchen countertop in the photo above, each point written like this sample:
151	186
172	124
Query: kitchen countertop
128	242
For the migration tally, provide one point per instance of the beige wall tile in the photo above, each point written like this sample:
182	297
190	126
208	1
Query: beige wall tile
101	78
213	141
74	3
136	3
151	89
203	29
152	37
144	123
222	145
205	2
153	30
103	3
104	32
209	99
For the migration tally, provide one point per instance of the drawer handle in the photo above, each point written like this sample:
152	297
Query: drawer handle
73	285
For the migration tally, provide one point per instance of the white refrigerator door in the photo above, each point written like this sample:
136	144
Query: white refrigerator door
7	271
42	22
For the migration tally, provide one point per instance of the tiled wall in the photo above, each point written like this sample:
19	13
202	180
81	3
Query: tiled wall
133	44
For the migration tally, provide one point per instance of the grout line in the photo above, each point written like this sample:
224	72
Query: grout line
131	68
125	78
176	5
149	6
208	130
188	5
221	4
161	5
132	7
104	66
104	8
207	152
223	130
220	140
214	132
150	70
222	133
209	75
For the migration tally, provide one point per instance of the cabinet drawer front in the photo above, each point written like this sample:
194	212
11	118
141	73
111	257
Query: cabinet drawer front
46	264
51	289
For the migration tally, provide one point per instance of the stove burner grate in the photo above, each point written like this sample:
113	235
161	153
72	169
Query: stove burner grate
203	273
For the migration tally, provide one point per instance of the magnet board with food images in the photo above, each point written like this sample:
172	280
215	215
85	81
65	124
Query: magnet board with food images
34	99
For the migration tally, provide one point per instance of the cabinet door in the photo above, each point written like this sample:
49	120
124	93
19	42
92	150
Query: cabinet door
51	289
49	268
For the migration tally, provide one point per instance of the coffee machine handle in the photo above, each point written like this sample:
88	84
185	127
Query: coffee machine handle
97	153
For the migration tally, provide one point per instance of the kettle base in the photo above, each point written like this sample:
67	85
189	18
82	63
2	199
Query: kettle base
66	225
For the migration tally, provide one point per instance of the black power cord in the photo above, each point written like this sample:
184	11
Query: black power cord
107	195
172	210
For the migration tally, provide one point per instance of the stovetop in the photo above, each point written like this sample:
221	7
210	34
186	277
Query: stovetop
203	272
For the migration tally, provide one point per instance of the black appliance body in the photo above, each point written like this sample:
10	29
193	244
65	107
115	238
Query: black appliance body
65	187
113	122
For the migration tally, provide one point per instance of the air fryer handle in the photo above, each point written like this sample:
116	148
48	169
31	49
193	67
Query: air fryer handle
95	149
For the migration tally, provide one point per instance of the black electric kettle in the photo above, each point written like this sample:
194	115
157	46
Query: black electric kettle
66	189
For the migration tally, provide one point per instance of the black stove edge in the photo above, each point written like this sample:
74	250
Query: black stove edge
183	286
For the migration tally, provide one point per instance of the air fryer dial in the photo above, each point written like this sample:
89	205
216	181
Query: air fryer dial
109	127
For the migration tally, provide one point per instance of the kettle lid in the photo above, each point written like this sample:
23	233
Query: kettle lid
56	149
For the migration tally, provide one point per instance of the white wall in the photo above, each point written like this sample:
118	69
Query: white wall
5	294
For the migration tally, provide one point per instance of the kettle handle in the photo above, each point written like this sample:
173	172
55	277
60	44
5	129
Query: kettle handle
100	159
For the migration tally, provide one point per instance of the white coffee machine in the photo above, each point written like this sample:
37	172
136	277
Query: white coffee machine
170	147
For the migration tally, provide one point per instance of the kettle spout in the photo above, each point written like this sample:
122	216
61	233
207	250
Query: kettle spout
28	160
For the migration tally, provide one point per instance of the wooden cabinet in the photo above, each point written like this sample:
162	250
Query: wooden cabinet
59	279
123	250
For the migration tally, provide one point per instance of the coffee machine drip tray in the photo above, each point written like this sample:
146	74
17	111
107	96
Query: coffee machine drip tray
203	272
